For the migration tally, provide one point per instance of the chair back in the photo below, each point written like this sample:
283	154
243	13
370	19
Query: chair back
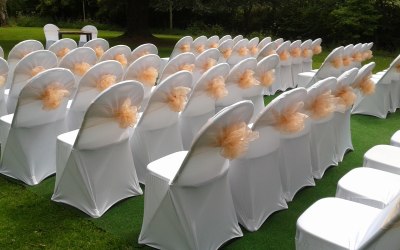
283	52
88	28
120	53
143	50
204	62
224	38
253	46
79	61
237	38
320	102
199	45
264	42
99	45
225	48
212	42
332	65
51	34
295	52
1	52
239	52
183	61
63	47
183	45
267	50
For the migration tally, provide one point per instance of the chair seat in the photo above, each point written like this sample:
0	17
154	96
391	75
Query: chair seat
333	223
173	161
304	78
395	139
69	137
369	186
7	118
383	157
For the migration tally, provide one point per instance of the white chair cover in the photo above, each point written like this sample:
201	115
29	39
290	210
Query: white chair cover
284	68
182	46
347	57
1	52
383	157
322	132
157	133
239	52
51	34
306	54
120	53
264	42
333	223
264	73
213	42
378	103
357	56
201	104
395	139
143	50
144	70
176	216
253	47
255	178
341	119
25	69
225	48
237	38
297	61
369	186
95	168
392	74
183	61
199	45
79	61
90	86
99	45
238	73
87	28
267	50
295	153
61	47
224	38
29	136
19	51
3	80
278	42
205	61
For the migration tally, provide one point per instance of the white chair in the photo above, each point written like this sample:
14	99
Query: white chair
19	51
239	52
321	104
369	186
265	74
79	61
90	29
3	80
183	45
178	185
199	45
98	78
395	139
240	77
267	50
383	157
1	52
157	133
255	177
306	54
224	38
297	61
263	42
183	61
392	74
253	47
225	48
120	53
206	60
237	38
26	68
213	42
341	117
295	162
144	70
285	80
374	95
29	135
334	223
332	66
51	34
95	168
99	45
316	46
347	57
201	104
278	42
61	47
143	50
357	56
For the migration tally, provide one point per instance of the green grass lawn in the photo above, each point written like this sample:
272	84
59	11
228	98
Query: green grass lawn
30	220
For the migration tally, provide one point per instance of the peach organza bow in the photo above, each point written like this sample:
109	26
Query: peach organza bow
290	119
393	219
267	78
296	52
234	140
226	53
210	62
200	48
2	80
52	96
253	50
81	68
177	98
345	98
36	70
306	53
247	79
322	106
284	55
122	59
62	52
367	55
365	85
187	66
357	57
243	51
337	62
126	114
216	88
148	76
398	68
317	49
99	51
214	45
185	47
347	60
105	81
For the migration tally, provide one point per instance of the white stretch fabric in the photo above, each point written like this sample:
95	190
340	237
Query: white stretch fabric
62	47
285	64
143	50
395	139
383	157
1	52
204	61
25	70
157	133
95	168
176	215
51	34
183	61
240	52
3	80
306	56
120	53
77	57
393	73
88	90
334	223
201	104
322	132
296	60
199	45
87	28
255	177
182	46
295	153
225	48
263	42
99	45
29	136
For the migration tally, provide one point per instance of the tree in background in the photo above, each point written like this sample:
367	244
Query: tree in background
3	13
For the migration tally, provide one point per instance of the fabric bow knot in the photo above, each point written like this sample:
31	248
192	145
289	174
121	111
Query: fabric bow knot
126	114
